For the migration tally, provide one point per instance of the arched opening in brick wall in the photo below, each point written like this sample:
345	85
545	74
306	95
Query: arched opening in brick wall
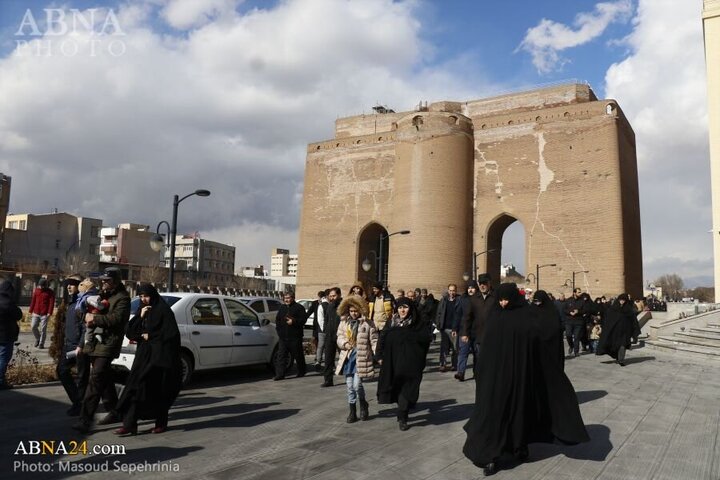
370	255
506	238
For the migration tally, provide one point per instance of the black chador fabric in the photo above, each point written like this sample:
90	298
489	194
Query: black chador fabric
156	374
403	350
522	394
617	328
549	325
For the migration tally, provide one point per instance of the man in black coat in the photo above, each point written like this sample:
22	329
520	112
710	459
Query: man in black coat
476	314
332	322
289	324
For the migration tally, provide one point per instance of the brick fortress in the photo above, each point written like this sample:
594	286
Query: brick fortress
456	175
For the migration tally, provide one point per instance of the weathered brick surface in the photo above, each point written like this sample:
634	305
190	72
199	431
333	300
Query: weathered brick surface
557	160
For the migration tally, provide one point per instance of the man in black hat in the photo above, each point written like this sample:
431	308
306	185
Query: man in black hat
101	354
475	316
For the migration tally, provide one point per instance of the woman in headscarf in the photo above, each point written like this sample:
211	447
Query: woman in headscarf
402	350
10	315
522	394
617	329
549	325
155	377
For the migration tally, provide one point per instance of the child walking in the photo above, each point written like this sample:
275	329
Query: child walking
357	339
595	334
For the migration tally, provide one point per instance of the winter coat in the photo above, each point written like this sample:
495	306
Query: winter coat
113	324
387	306
477	309
42	302
10	313
298	314
456	317
365	342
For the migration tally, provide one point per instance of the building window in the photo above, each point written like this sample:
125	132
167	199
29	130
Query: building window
57	243
22	225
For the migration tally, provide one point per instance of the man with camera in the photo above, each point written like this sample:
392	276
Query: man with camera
289	324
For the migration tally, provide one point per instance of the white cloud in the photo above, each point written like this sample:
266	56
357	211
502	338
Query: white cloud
184	14
229	106
548	38
661	88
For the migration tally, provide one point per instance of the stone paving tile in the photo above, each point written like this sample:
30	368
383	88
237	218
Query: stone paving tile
657	418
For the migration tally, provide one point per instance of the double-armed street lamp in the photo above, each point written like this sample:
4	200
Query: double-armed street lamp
367	265
573	279
537	273
156	242
474	261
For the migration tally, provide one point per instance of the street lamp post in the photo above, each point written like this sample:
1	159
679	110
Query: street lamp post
474	261
156	241
382	266
579	271
537	273
367	265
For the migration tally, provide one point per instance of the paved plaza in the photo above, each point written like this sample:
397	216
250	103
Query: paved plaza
657	418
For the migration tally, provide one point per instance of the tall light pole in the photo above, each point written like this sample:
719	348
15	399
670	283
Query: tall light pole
383	280
537	273
474	261
579	271
173	231
367	265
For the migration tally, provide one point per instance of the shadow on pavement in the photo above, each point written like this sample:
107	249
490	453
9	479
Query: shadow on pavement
232	409
196	399
590	395
252	419
631	360
596	450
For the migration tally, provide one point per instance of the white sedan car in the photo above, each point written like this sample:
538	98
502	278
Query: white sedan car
216	331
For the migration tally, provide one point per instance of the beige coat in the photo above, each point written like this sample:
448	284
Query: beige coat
366	343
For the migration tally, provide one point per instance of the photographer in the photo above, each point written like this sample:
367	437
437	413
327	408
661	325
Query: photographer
289	324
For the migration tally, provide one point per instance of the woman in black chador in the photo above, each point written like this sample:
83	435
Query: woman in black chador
550	327
617	329
155	377
402	349
522	394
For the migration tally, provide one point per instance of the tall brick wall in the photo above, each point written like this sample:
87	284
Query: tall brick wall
558	160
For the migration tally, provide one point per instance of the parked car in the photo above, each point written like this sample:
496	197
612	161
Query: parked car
216	331
265	307
306	305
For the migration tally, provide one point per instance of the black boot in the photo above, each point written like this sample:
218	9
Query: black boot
490	469
364	414
402	420
352	416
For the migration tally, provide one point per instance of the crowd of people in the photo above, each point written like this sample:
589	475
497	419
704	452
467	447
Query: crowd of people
522	394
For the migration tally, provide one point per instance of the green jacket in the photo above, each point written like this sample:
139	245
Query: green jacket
113	324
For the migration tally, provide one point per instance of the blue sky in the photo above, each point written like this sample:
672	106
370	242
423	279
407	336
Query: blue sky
217	79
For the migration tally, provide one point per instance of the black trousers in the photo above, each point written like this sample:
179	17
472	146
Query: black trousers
295	347
75	389
101	385
330	352
573	332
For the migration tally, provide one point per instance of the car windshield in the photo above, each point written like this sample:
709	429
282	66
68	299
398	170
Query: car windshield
135	303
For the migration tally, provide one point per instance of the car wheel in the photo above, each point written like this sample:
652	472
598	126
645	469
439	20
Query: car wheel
188	366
